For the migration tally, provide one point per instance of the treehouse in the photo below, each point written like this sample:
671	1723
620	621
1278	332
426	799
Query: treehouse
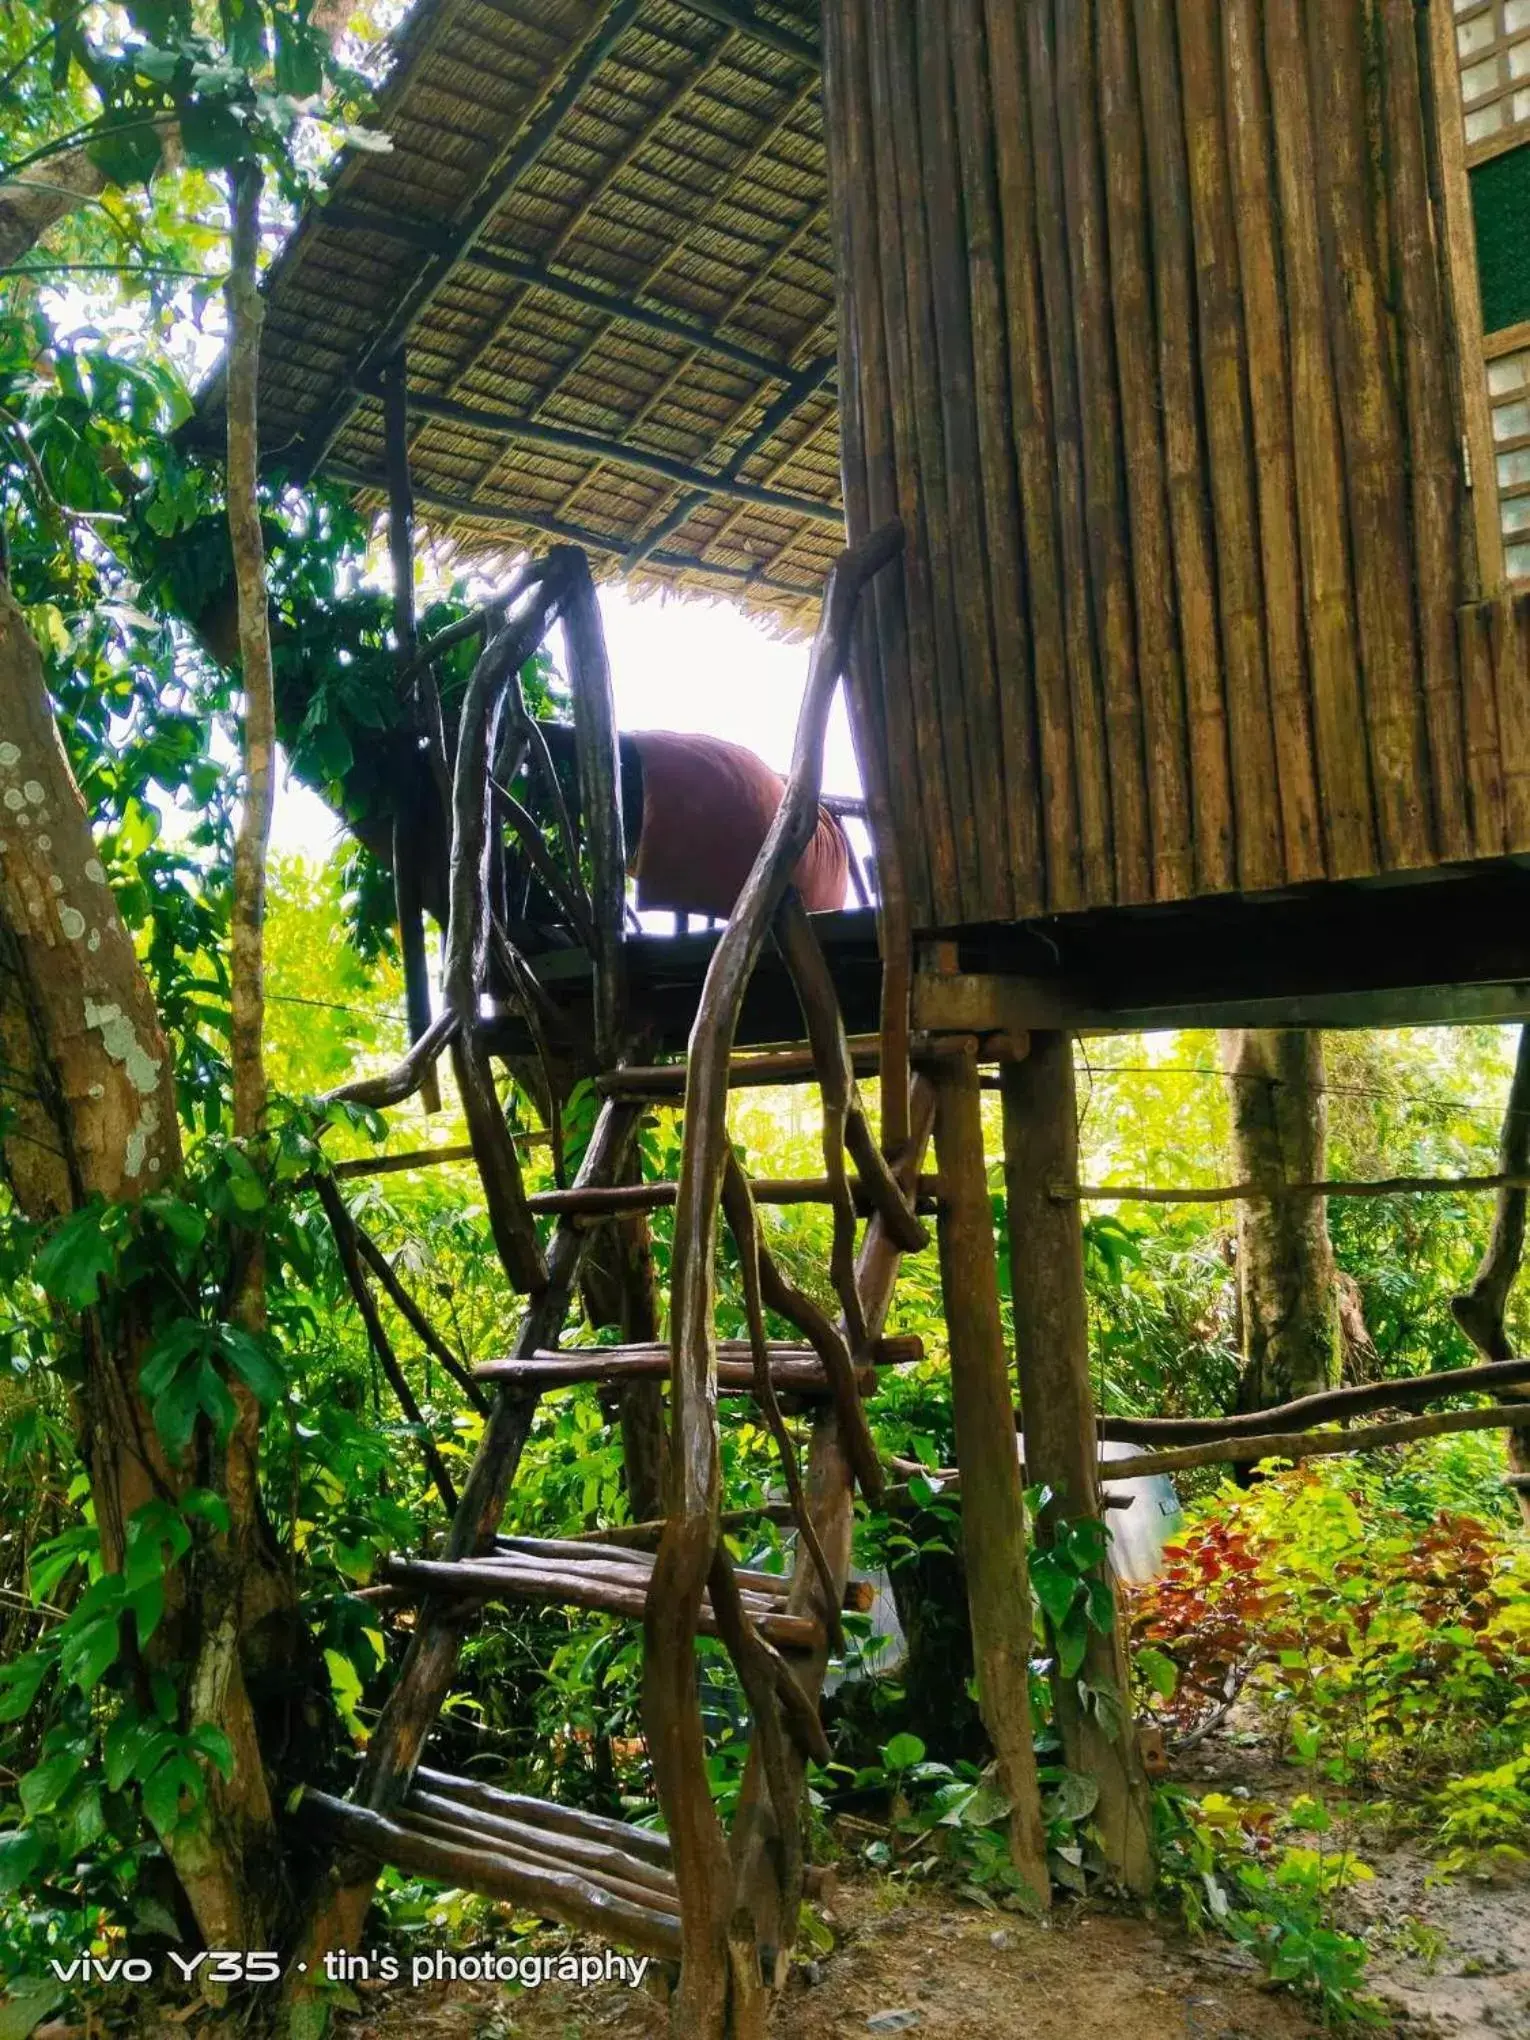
1167	363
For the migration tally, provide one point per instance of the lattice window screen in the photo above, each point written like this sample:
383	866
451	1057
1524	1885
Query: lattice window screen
1493	43
1509	394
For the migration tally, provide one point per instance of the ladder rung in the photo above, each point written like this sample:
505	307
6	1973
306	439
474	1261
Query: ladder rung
609	1587
611	1199
786	1066
646	1843
554	1886
795	1370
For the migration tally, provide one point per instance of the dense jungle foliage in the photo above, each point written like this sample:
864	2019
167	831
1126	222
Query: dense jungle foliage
1373	1616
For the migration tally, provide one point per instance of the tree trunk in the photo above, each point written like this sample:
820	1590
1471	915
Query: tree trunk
1482	1312
93	1115
1287	1284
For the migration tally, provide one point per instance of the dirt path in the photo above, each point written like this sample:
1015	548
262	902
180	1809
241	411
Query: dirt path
912	1960
1452	1958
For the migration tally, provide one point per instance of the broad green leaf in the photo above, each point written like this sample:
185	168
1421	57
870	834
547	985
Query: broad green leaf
21	1851
903	1752
73	1263
42	1789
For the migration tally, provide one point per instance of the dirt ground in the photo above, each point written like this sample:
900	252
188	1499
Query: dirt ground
1449	1959
911	1960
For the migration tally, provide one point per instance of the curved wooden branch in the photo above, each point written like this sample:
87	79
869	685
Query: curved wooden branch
684	1559
568	896
343	1226
405	1078
829	1343
739	1637
415	1318
467	935
744	1224
1332	1405
844	1116
1314	1444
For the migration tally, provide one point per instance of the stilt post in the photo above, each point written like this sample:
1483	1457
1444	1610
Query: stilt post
1046	1243
993	1507
406	823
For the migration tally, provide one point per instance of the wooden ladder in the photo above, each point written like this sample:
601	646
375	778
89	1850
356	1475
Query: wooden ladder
725	1906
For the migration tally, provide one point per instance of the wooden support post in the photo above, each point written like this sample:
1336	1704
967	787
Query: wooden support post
993	1508
1046	1254
407	846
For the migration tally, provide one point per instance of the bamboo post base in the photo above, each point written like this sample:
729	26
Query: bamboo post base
1046	1251
993	1508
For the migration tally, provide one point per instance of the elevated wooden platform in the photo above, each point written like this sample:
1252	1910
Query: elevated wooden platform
1449	946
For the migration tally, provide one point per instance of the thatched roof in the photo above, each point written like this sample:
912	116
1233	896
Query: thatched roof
601	233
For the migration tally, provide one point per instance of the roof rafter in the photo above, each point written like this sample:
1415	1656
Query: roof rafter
566	439
536	275
556	527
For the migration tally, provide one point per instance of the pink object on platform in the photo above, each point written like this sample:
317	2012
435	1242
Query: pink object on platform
707	808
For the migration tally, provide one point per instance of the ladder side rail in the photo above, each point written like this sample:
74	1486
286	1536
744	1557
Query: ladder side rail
684	1561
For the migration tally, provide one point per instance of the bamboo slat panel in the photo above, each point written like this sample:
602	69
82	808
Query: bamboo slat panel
1165	325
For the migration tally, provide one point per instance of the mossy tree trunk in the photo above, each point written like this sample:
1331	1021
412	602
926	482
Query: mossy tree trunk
1288	1288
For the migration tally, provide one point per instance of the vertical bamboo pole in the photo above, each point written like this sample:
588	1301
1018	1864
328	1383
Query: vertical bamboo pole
1087	707
407	846
1434	420
1322	516
1375	446
1257	224
1229	439
1484	754
1105	512
910	829
990	888
993	1507
945	732
1511	674
1458	231
1159	670
1031	399
1003	553
1195	588
1057	1411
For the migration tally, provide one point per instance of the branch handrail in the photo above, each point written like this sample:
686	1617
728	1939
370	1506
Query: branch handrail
686	1554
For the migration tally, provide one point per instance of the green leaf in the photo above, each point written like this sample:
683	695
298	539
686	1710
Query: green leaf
162	1792
88	1653
73	1263
19	1682
1159	1670
1073	1798
902	1753
27	2002
251	1361
1054	1586
20	1853
209	1741
1072	1640
42	1789
125	1743
127	146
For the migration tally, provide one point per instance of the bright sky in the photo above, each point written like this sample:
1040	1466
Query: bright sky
676	665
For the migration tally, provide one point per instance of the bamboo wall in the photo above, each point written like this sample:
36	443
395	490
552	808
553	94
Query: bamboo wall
1147	334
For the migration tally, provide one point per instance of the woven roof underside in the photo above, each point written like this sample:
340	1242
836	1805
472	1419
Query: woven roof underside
601	233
